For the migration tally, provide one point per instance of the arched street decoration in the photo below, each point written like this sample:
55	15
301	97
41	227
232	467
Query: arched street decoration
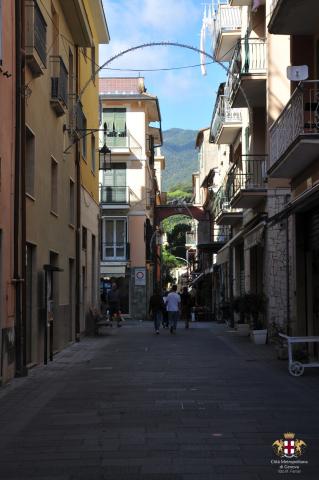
164	44
164	211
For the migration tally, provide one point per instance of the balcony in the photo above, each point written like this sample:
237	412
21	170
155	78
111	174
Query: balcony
294	137
221	235
35	38
227	32
247	73
59	85
227	122
244	3
191	240
224	213
248	182
114	197
115	252
294	17
76	17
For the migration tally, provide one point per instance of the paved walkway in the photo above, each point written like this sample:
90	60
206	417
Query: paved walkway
201	405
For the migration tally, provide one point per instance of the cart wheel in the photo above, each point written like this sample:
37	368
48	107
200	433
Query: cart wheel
296	369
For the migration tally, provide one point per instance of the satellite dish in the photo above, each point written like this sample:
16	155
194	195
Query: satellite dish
297	74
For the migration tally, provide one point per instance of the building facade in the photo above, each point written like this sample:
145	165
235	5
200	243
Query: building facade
266	112
61	38
8	235
129	189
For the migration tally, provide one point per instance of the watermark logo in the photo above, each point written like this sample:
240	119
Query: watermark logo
289	447
289	450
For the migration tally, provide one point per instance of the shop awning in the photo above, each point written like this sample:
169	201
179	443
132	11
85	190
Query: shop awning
254	236
223	253
113	270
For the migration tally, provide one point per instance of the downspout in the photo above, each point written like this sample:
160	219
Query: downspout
19	197
78	217
287	277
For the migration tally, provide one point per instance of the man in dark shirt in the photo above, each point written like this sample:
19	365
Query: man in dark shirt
156	308
114	304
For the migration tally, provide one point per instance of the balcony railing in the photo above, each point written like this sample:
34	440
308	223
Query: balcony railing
249	174
191	239
224	115
114	195
228	20
115	252
299	117
221	201
221	234
249	59
59	80
117	138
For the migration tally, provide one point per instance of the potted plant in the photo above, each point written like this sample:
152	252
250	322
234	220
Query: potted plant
256	306
238	305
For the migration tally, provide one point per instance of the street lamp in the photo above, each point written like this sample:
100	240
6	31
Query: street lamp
105	154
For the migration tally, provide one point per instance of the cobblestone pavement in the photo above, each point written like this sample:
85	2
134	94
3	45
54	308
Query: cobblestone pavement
203	404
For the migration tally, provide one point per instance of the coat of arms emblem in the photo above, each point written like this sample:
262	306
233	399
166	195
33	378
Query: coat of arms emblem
289	447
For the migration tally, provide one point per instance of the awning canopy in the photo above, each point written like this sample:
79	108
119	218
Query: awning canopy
223	253
255	236
113	270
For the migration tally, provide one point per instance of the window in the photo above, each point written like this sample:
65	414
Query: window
114	188
29	162
115	119
54	186
84	238
72	204
114	239
93	153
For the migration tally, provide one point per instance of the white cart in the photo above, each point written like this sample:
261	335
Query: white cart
297	368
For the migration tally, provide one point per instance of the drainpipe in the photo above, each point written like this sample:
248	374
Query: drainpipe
78	218
19	241
287	277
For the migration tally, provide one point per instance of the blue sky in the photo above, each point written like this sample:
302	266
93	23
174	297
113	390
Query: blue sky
186	97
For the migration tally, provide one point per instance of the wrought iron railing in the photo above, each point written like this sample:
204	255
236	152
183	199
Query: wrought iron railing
117	138
221	201
114	195
221	233
115	251
228	19
191	239
59	79
299	117
249	58
224	115
248	174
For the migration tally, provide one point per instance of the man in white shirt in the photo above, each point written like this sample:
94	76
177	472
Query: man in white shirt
173	303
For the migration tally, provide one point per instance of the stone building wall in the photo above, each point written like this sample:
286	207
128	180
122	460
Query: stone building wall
277	260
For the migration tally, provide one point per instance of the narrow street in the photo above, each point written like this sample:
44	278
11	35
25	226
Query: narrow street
204	404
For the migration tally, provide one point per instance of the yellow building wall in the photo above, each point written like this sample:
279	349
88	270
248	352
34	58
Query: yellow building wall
90	103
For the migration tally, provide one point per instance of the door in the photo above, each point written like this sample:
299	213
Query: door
115	184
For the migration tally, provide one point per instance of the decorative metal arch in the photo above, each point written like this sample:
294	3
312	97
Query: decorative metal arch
162	44
158	44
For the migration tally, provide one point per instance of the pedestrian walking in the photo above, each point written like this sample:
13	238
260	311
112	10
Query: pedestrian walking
165	313
114	304
156	308
173	303
186	306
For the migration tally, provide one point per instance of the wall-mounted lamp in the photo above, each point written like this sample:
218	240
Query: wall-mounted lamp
105	154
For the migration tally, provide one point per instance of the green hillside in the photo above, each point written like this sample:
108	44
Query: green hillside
181	158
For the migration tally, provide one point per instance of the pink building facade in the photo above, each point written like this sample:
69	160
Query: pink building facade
7	162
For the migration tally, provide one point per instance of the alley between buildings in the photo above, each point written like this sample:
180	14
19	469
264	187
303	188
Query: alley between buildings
129	405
